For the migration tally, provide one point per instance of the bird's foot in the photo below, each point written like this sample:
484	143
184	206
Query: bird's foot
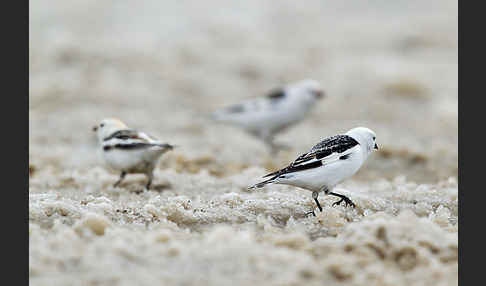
314	196
347	202
311	212
318	206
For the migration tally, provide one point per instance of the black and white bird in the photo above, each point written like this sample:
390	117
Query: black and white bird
327	164
127	150
264	117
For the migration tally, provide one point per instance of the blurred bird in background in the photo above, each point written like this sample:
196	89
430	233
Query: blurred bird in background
129	151
264	117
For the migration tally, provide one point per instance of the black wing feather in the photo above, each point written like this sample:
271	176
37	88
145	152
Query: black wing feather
337	143
130	146
276	95
123	135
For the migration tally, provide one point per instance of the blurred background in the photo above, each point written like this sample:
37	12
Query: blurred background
161	66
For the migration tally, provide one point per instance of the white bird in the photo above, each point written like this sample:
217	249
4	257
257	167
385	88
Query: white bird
266	116
127	150
327	164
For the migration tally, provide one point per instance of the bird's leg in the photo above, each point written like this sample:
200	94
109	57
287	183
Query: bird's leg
150	176
314	196
268	139
275	147
122	175
281	146
347	201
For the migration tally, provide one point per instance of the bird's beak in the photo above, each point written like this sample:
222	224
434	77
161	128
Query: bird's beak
376	146
95	128
320	94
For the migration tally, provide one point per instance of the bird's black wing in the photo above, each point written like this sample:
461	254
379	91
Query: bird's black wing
126	134
337	144
276	95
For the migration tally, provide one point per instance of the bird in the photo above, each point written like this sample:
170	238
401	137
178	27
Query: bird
328	163
127	150
265	116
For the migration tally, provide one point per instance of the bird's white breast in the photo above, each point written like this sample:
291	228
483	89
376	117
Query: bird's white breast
329	175
136	160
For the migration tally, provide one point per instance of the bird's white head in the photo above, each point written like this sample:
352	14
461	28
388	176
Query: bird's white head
107	127
365	137
307	91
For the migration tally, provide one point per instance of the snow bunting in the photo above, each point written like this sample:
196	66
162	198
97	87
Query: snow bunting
128	150
327	164
266	116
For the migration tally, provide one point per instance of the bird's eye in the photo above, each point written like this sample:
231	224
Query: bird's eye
374	138
102	124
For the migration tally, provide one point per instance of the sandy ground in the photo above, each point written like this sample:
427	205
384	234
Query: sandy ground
161	66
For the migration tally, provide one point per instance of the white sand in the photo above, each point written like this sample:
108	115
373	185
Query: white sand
161	66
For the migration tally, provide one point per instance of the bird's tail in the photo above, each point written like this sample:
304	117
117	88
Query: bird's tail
166	146
261	184
226	115
217	116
